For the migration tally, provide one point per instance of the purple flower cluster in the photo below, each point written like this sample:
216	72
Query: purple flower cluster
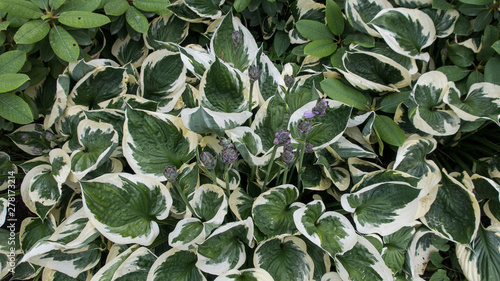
288	155
170	173
254	72
208	160
289	81
237	38
282	137
318	110
229	153
304	127
309	148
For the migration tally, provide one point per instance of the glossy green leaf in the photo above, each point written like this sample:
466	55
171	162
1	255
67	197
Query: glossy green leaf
116	7
176	264
388	130
12	61
453	72
337	90
14	108
273	210
406	31
476	2
224	249
363	262
496	46
320	48
23	9
329	230
155	6
12	81
491	71
153	141
460	55
80	5
83	19
284	258
55	4
479	261
240	5
141	198
383	202
314	30
334	18
63	44
136	20
32	32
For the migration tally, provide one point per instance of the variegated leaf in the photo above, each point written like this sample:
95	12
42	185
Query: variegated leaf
249	144
482	102
358	168
224	249
406	31
453	198
346	149
329	230
361	12
383	202
269	81
40	190
240	203
61	164
239	53
284	258
141	198
136	266
444	20
107	272
371	71
419	252
98	141
77	70
273	210
196	59
210	204
99	85
60	99
32	139
383	49
6	167
429	115
271	117
331	276
395	246
321	259
187	234
153	141
4	206
129	51
362	262
205	9
480	261
177	265
166	28
34	229
250	274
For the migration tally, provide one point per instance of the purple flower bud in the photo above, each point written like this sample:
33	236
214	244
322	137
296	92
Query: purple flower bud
36	151
25	137
304	126
49	136
254	72
289	80
282	137
236	36
229	155
320	108
309	148
170	173
309	114
288	155
208	160
225	143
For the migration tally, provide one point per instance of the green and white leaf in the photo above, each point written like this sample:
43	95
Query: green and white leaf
383	49
6	167
419	252
196	59
221	44
395	246
206	9
273	210
271	117
453	197
210	205
61	164
482	102
360	12
77	70
383	202
249	144
153	141
346	149
479	263
36	144
40	191
99	85
163	76
444	20
33	230
107	272
270	80
4	205
372	71
176	264
249	274
358	168
135	200
129	51
326	129
429	115
329	230
136	266
60	100
241	203
224	249
363	262
284	258
165	29
188	233
114	117
406	31
331	276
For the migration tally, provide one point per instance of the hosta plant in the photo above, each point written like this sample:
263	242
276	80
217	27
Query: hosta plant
171	160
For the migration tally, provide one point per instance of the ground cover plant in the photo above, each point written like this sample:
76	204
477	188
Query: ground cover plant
250	140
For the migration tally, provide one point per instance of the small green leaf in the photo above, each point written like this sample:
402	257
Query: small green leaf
240	5
491	73
14	108
63	44
320	48
55	4
23	9
137	20
460	55
476	2
11	81
83	19
337	90
482	20
281	42
334	17
439	275
388	130
116	7
12	61
314	30
155	6
496	46
32	32
454	73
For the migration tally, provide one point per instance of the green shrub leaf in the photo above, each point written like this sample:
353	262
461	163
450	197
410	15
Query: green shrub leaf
388	130
337	90
137	20
63	44
320	48
314	30
14	108
23	9
83	19
32	32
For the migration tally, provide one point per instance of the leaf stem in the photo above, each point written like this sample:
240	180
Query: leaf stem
269	166
184	198
285	174
158	242
250	103
301	158
226	179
